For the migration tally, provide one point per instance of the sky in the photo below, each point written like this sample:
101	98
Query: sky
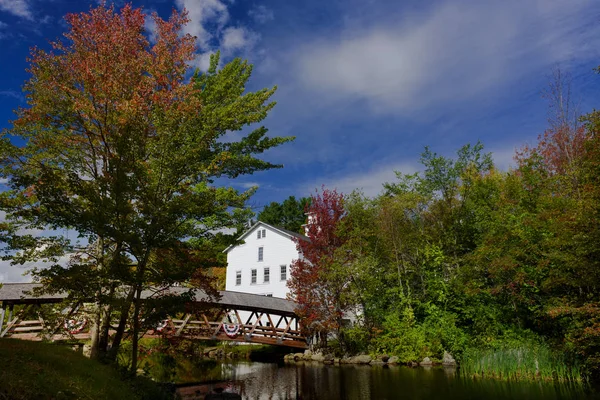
363	85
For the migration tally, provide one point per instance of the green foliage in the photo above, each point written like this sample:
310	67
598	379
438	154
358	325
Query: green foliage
289	214
400	336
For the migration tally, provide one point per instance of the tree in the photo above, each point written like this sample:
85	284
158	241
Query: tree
118	145
290	214
313	282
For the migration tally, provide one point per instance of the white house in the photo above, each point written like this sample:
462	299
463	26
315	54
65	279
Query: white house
261	264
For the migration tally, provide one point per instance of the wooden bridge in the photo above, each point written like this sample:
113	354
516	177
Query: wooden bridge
240	317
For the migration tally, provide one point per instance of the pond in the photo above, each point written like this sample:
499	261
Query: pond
253	380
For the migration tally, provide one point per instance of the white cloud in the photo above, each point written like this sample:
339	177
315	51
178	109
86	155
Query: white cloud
237	39
207	17
370	182
458	51
20	8
261	14
150	26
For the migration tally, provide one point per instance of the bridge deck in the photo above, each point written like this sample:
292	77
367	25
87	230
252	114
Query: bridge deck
271	320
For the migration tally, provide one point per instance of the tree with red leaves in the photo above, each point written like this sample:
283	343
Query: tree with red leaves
314	283
120	145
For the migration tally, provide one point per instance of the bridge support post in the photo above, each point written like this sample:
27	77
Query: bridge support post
10	312
2	313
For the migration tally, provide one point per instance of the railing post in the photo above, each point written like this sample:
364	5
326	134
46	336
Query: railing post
10	312
2	316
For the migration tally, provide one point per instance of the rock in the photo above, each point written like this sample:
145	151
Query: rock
231	355
208	350
362	359
337	360
426	362
448	360
328	359
383	357
212	354
412	364
318	357
377	362
307	355
346	360
87	350
298	357
393	360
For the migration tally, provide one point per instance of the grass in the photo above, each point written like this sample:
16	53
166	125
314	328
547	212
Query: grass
36	370
520	363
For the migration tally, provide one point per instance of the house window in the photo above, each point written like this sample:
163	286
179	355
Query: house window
283	270
238	278
258	234
260	254
267	275
264	232
261	233
253	276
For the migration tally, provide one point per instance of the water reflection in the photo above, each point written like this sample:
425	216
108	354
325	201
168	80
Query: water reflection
315	381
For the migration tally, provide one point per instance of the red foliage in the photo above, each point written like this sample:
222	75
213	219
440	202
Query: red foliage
312	285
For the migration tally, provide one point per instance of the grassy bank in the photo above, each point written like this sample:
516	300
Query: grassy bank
35	370
520	363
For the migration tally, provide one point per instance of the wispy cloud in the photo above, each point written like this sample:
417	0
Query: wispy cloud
208	17
456	51
15	95
370	182
20	8
261	14
210	23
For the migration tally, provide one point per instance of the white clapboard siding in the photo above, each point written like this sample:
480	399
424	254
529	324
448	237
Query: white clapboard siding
279	248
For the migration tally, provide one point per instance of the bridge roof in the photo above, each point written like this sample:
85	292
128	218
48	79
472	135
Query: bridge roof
20	293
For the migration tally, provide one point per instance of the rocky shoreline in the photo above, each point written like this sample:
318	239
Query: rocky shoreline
365	359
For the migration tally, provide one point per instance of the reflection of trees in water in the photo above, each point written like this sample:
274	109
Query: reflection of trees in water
308	381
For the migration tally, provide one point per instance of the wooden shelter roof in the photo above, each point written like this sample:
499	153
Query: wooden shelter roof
20	293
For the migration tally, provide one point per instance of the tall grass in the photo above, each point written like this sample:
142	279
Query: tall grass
520	363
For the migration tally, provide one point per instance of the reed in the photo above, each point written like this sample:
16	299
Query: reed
534	362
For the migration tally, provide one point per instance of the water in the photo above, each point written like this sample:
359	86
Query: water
315	381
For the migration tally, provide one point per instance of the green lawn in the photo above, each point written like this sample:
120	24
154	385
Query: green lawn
34	370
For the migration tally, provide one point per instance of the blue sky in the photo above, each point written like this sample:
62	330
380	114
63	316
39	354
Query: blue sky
364	85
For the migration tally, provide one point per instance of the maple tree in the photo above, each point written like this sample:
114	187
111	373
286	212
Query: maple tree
313	283
119	145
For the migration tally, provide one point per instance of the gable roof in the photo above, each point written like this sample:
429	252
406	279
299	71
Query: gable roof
282	231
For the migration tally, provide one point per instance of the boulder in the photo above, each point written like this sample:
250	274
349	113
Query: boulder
426	362
382	357
337	360
298	357
448	360
318	357
307	355
328	359
212	354
346	360
362	359
393	360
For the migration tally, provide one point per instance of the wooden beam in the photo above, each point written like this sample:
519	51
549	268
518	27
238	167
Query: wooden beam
280	338
185	321
8	326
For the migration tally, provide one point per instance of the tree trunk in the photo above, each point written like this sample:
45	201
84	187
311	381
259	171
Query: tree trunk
95	332
136	330
106	318
112	354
